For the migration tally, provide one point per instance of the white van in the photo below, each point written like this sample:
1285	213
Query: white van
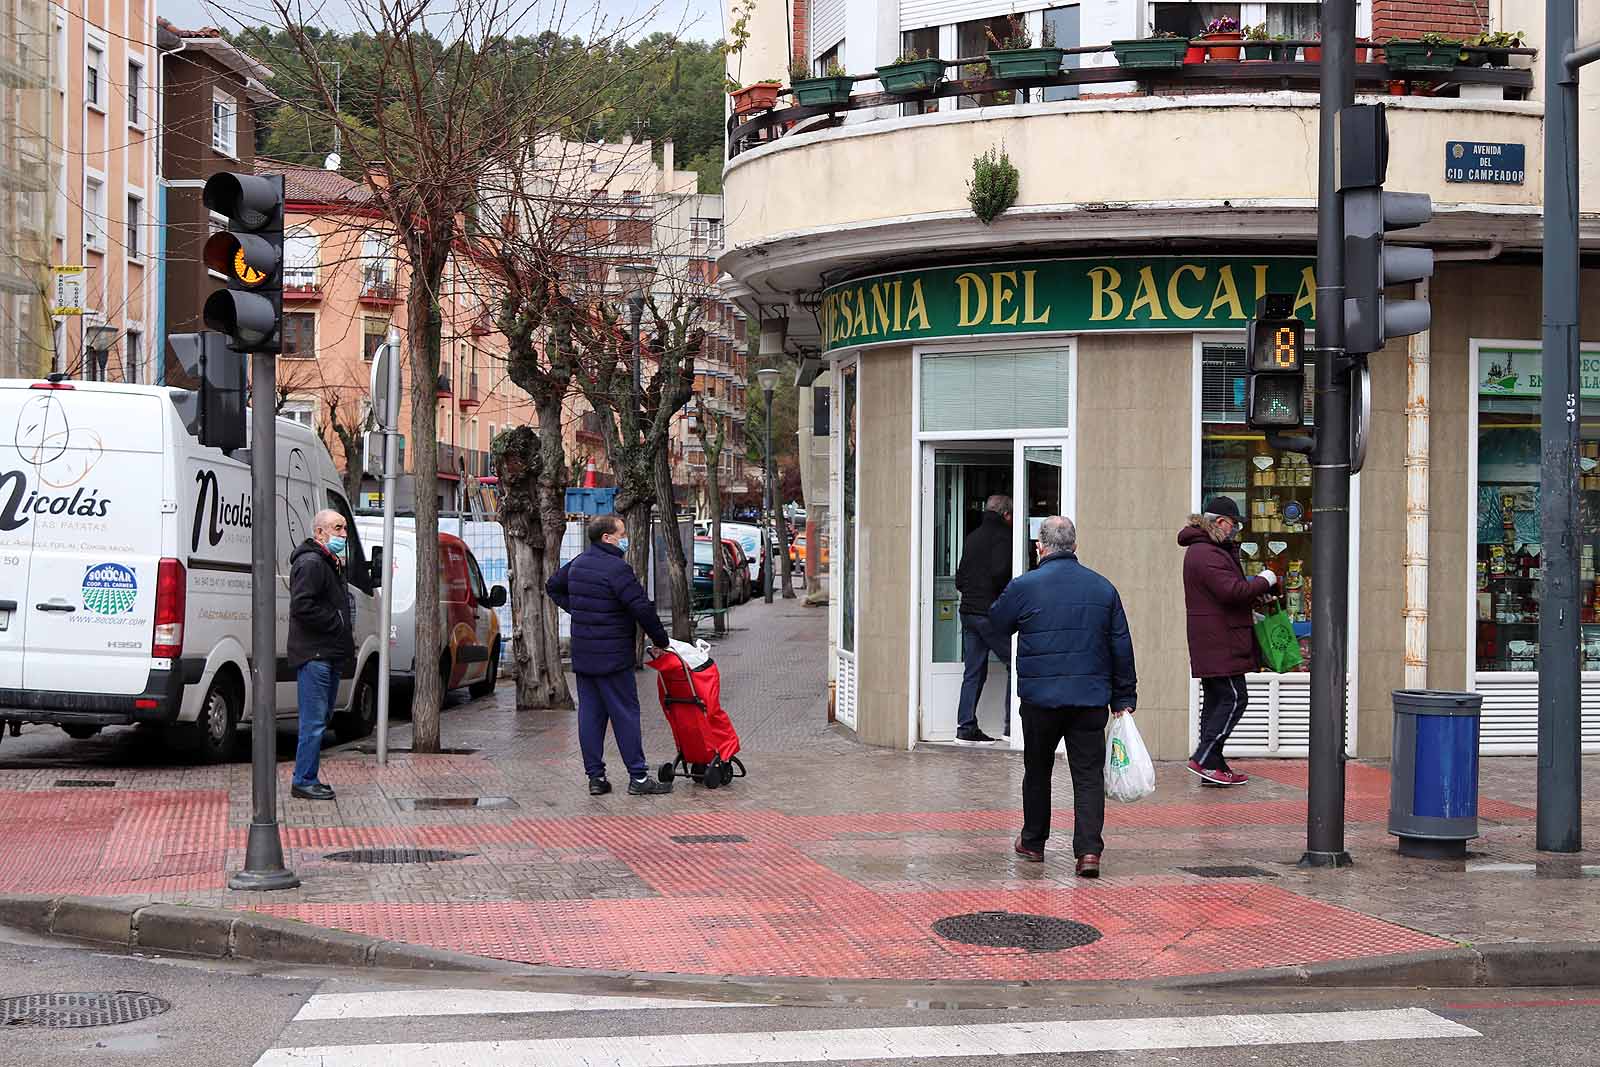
125	568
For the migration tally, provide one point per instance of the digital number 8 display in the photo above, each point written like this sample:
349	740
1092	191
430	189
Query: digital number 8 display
1284	353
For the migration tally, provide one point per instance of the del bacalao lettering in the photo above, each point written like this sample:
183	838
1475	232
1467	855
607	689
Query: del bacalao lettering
213	515
19	502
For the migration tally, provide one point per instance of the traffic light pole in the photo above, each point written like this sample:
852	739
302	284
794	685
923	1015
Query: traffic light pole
1559	823
1330	505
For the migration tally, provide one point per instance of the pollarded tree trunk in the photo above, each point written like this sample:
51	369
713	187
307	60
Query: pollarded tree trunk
552	504
424	329
541	683
677	562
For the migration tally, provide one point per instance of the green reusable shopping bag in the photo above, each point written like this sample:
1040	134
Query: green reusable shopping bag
1280	648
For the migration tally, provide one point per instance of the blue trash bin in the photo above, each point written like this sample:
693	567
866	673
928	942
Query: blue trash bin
1433	772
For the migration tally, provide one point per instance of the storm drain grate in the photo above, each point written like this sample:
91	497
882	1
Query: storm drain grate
710	839
1005	929
61	1011
397	855
1228	872
84	783
447	803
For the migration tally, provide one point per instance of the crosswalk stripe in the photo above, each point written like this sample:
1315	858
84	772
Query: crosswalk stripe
386	1004
893	1043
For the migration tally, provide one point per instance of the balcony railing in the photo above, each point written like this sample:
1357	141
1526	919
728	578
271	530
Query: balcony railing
752	129
301	284
378	289
469	392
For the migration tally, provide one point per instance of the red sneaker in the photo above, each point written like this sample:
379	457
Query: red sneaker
1211	776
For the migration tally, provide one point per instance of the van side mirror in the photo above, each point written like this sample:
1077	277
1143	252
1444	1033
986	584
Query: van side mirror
377	566
497	597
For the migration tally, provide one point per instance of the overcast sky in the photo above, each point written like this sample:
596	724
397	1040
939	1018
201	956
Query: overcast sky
693	19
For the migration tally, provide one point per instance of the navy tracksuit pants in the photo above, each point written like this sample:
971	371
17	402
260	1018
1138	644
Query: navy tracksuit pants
612	698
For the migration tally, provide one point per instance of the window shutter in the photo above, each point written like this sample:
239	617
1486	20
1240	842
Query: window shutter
996	391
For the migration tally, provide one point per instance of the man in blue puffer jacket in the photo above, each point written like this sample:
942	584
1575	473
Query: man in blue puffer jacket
607	604
1074	669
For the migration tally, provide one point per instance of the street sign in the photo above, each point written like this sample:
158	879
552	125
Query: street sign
385	407
1488	163
68	296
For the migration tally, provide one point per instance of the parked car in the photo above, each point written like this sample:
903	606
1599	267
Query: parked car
125	584
751	538
701	580
472	639
743	587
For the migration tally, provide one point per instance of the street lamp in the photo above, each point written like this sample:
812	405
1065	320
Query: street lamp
768	377
97	341
635	279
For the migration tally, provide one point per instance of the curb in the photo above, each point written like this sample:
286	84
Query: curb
218	933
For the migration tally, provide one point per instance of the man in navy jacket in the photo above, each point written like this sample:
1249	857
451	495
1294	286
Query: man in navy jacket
607	604
1074	668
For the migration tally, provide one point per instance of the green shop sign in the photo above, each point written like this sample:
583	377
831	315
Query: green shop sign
1061	296
1519	371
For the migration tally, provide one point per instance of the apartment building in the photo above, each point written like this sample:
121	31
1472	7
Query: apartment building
28	172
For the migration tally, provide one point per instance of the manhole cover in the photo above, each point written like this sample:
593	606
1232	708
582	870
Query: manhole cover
710	839
84	783
446	803
1005	929
1228	872
59	1011
396	855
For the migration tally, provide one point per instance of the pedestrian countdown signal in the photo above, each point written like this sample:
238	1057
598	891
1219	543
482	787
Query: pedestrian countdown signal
1275	360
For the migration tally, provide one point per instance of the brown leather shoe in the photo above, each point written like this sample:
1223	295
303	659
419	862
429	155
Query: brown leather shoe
1089	866
1034	855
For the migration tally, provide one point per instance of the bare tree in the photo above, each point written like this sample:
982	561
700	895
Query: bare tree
344	421
711	446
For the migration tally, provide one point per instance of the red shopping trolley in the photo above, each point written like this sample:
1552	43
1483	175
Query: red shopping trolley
691	699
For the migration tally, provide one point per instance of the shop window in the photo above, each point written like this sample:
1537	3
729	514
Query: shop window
1271	487
997	391
847	514
1510	551
925	43
1063	25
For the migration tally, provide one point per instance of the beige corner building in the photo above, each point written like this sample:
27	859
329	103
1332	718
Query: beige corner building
1084	353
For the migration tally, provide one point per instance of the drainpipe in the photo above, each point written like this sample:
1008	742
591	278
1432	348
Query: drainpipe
1419	354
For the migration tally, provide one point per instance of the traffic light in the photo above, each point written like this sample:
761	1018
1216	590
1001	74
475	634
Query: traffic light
1275	361
1370	319
250	255
214	410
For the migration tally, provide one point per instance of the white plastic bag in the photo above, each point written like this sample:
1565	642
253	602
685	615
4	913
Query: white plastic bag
1130	774
694	656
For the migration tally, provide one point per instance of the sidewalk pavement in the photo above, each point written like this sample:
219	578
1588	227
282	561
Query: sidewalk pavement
831	860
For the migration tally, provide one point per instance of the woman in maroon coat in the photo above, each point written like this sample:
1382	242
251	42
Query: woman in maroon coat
1222	639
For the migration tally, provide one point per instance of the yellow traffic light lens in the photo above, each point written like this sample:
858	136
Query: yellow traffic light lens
244	272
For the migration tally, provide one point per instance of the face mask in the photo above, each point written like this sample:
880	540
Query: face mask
336	545
622	543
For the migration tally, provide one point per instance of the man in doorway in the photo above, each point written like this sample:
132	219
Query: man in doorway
984	570
1218	598
1074	669
607	605
320	642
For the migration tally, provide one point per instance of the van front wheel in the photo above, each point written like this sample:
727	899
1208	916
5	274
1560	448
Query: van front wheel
214	737
361	717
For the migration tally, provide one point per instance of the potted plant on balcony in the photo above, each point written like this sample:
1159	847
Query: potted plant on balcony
1257	43
1282	50
1313	53
1432	52
1016	57
757	96
1492	49
1160	51
831	89
1223	29
913	72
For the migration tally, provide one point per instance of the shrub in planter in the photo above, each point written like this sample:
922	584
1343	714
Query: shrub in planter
1491	49
831	89
1015	56
1282	51
1163	51
1432	52
913	72
1257	44
994	185
762	96
1223	29
1313	53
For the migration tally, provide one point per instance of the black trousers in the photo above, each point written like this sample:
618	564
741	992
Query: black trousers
1222	704
1084	730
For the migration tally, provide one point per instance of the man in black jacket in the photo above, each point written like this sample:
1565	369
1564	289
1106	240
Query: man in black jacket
320	641
608	608
983	573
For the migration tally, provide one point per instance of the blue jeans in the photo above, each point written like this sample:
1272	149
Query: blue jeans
318	690
610	698
978	639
